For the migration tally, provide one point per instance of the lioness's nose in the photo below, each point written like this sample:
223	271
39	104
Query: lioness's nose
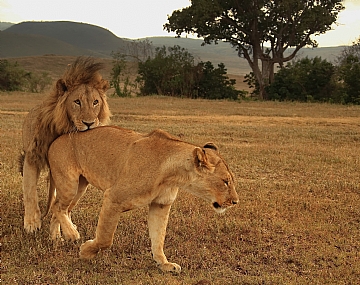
234	202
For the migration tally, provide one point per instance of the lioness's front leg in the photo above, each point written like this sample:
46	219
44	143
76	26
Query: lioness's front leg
32	216
108	220
157	222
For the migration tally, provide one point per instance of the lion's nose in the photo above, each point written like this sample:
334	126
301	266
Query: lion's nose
234	202
88	124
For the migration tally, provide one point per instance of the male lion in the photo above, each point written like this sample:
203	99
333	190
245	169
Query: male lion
133	170
77	103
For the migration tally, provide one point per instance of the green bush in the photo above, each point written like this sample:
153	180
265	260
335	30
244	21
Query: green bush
14	78
173	72
348	74
214	84
306	80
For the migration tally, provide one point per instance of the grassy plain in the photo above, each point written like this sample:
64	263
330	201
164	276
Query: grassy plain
298	220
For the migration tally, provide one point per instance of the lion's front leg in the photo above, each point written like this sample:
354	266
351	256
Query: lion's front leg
32	217
55	228
157	221
61	216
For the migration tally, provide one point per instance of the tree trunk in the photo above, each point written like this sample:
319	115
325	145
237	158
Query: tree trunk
267	76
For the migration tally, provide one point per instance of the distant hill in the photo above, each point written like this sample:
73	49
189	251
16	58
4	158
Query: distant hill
5	25
18	45
79	35
73	39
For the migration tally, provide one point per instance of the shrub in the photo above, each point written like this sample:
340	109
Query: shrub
173	72
304	80
14	78
348	74
214	84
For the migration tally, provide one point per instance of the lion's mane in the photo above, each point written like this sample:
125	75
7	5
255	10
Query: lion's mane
52	119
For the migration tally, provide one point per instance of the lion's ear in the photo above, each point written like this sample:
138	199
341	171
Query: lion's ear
104	85
61	87
211	146
200	158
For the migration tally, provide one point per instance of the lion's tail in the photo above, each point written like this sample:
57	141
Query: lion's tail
52	195
21	160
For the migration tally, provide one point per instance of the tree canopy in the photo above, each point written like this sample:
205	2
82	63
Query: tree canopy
260	30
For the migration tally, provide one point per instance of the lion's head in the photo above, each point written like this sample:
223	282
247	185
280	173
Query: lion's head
77	103
79	97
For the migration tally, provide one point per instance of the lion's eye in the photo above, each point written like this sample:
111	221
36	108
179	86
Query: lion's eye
226	182
96	102
77	102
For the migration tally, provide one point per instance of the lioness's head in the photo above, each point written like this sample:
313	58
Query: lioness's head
215	177
81	98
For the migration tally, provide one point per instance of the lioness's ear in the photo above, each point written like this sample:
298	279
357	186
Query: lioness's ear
199	157
211	146
61	87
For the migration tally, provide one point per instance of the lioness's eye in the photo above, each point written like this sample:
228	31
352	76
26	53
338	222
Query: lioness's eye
226	182
96	102
77	102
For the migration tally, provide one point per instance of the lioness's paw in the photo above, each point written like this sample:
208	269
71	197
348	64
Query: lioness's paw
88	250
170	267
32	224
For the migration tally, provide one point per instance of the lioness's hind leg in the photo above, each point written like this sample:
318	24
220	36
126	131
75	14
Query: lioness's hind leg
32	217
83	183
157	221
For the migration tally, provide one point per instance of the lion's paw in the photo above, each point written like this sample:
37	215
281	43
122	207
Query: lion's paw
88	250
71	234
170	267
55	233
32	224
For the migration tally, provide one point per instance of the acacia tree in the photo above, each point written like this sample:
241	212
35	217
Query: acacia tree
250	25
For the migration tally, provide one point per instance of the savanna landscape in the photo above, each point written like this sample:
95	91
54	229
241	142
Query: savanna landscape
296	167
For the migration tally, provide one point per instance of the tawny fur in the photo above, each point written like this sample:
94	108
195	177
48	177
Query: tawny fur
76	103
133	170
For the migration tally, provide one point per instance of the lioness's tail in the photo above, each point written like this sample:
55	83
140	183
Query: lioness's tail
52	195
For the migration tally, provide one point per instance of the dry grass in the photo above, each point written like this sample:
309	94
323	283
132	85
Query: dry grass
298	221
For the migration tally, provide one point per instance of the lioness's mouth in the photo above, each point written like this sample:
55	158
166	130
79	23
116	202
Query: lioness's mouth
218	208
216	205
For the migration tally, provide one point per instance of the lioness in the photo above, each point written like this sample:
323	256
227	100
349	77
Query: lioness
133	170
77	103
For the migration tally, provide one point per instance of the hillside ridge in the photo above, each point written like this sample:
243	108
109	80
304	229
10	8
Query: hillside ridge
74	39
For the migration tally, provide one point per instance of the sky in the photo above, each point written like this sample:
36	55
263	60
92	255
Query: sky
144	18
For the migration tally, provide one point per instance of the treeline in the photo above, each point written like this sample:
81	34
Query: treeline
172	71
